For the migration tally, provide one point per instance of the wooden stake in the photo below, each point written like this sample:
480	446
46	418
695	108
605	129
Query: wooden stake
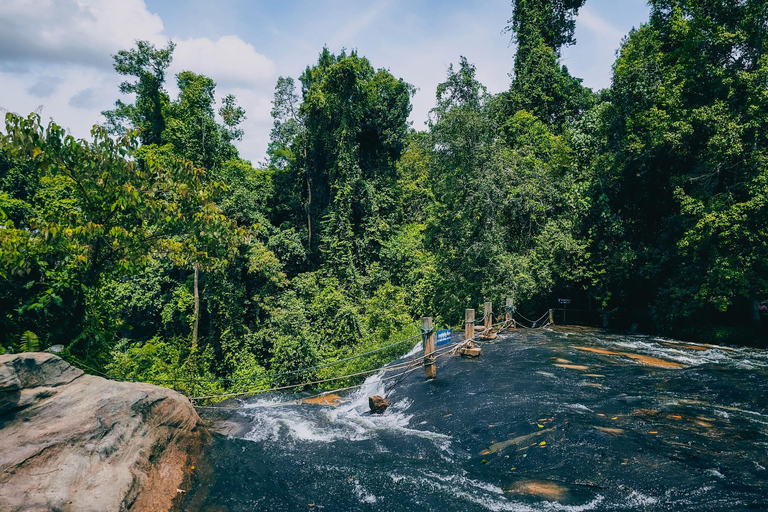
428	344
508	313
469	333
469	325
488	313
552	316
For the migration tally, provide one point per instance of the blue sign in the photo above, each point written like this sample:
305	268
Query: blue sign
443	337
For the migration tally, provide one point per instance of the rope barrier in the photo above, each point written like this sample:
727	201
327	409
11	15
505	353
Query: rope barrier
291	386
438	353
409	366
263	376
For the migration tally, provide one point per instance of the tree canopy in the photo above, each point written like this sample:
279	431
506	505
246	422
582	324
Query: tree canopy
153	251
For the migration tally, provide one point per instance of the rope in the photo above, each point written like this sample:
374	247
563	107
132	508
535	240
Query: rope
266	375
438	353
528	319
291	386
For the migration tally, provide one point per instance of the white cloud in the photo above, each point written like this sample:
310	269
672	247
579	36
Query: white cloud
58	52
229	60
77	31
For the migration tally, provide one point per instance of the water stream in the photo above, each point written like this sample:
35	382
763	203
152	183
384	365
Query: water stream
568	419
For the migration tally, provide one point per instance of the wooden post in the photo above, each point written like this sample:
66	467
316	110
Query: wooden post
488	314
469	332
552	317
428	341
469	325
508	313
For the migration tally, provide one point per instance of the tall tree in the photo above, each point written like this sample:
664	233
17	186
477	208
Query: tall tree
147	65
540	85
349	131
690	142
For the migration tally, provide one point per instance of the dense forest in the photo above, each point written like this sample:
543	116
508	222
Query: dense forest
153	251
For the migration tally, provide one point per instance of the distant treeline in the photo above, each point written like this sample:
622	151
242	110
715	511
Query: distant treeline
154	251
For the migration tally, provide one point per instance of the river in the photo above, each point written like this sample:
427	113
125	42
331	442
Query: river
570	419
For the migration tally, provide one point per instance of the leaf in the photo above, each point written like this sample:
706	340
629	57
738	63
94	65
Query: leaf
29	342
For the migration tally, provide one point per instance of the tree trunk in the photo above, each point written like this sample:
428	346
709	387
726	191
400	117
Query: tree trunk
197	310
309	205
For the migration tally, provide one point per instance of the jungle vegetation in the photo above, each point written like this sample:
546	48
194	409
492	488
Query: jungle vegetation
153	251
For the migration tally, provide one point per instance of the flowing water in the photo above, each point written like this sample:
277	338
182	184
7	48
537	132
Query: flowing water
568	419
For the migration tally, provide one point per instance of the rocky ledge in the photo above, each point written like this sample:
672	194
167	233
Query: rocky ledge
72	442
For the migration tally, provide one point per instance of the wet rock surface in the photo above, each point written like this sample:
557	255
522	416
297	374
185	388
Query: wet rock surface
72	442
537	423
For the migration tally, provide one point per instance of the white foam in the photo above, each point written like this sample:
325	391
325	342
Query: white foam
364	495
489	496
636	499
350	421
579	407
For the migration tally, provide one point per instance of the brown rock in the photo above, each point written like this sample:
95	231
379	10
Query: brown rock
378	404
471	352
75	442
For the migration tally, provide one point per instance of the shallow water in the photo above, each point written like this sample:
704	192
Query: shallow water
649	424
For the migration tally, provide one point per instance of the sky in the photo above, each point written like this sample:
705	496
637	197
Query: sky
55	55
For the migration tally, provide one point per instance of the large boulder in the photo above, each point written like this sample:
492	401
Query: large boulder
72	442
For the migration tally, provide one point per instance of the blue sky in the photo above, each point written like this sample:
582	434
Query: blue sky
55	53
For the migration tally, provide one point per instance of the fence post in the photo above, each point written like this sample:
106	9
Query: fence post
469	334
508	313
469	325
552	317
488	314
428	340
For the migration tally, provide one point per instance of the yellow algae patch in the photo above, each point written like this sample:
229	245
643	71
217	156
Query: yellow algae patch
550	491
517	440
599	351
573	366
682	345
329	399
613	431
650	361
653	361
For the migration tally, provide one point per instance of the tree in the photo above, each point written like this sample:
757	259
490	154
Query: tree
147	65
103	215
345	140
540	84
191	124
688	143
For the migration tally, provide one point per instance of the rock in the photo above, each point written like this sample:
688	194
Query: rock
73	442
471	351
378	404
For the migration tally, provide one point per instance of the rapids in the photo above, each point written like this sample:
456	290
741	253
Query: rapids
570	419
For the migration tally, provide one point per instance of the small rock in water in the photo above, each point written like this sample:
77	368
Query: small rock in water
378	404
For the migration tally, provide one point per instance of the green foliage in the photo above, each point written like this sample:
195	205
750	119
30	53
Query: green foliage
29	342
147	65
647	201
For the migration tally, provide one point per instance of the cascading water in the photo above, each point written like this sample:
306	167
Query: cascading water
576	419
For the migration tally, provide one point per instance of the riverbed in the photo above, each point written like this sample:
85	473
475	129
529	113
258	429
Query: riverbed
570	419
